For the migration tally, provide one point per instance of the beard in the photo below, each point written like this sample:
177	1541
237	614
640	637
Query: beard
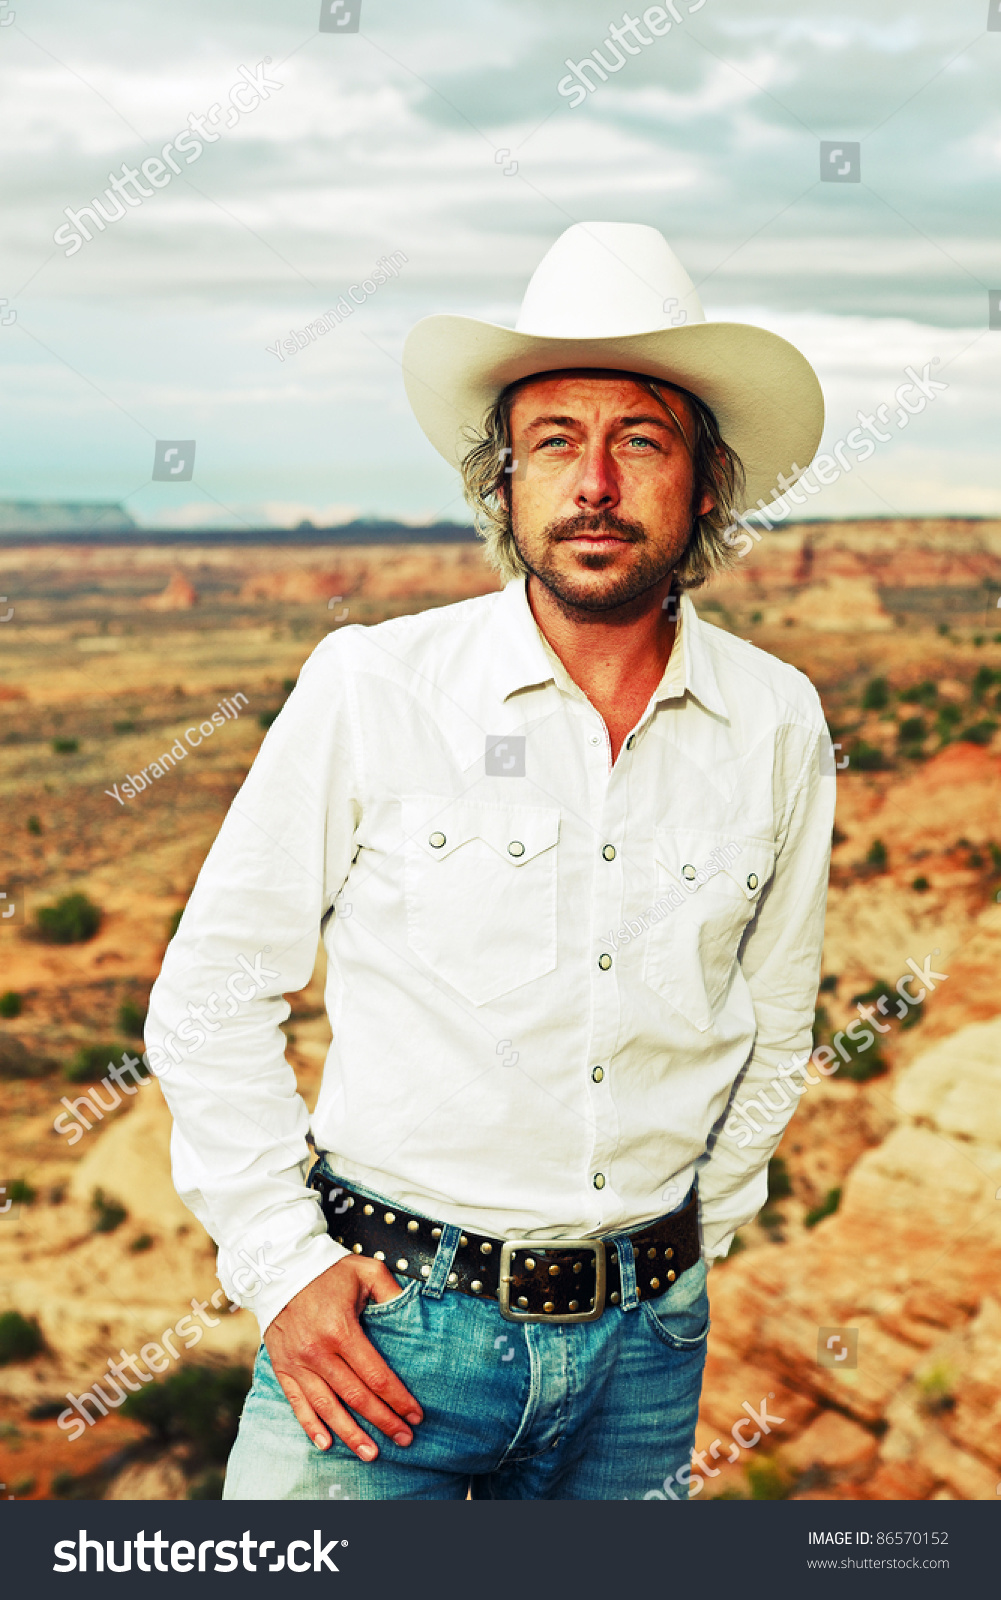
648	568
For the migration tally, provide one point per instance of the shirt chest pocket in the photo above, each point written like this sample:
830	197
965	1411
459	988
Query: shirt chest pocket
481	892
708	889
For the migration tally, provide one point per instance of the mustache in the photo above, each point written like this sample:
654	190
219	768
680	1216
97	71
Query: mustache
596	522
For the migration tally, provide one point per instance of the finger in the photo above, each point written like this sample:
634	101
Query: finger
304	1413
339	1420
365	1361
352	1391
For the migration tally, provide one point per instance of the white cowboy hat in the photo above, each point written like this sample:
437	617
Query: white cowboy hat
614	295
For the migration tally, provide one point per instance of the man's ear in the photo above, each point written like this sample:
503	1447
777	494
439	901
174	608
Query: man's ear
707	503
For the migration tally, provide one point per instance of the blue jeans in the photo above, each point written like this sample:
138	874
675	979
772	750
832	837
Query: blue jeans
601	1410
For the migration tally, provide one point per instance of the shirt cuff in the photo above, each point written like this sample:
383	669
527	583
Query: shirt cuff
310	1260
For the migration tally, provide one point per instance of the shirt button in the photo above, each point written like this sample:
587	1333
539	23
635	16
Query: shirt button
630	741
516	848
752	880
597	1074
599	1180
604	962
595	739
609	852
688	871
437	840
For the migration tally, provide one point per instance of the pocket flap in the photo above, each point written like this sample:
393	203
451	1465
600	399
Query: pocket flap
695	856
439	825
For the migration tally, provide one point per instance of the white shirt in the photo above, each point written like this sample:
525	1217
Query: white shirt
498	928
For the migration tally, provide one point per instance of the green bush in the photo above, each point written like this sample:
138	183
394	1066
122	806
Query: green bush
829	983
92	1061
126	726
920	884
876	855
20	1338
131	1019
913	729
16	1060
861	1068
65	747
979	732
983	678
867	757
767	1480
142	1241
72	920
20	1191
779	1181
208	1486
826	1208
922	694
876	695
10	1004
108	1214
34	826
199	1405
175	922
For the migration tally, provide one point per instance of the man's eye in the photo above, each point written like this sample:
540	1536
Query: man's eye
638	439
548	443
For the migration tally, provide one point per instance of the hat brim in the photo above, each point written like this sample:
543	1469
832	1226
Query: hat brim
765	394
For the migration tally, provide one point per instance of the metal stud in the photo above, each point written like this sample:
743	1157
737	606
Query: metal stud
671	1277
529	1263
463	1241
349	1202
613	1297
486	1248
380	1255
548	1307
402	1264
554	1271
476	1286
340	1238
668	1253
357	1249
516	848
453	1279
651	1254
590	1304
523	1303
425	1272
390	1216
615	1258
412	1227
578	1266
574	1304
655	1283
436	840
436	1233
368	1210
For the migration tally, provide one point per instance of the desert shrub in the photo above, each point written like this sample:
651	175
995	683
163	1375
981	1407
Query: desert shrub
72	920
876	695
65	747
92	1061
922	694
142	1241
861	1068
126	726
920	884
199	1405
19	1190
876	855
935	1390
867	757
131	1019
266	718
47	1410
20	1338
108	1214
826	1208
766	1480
208	1486
34	826
983	678
912	729
10	1004
979	732
17	1061
779	1181
829	983
175	922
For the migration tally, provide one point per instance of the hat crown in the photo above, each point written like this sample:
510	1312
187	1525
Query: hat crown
604	280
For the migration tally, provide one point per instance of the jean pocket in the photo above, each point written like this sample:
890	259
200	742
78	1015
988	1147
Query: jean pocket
379	1310
681	1316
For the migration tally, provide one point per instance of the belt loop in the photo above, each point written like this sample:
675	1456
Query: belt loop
448	1244
627	1271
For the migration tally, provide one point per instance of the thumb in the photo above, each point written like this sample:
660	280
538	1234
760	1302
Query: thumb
379	1281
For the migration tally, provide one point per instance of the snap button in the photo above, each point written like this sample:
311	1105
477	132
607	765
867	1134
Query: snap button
595	739
599	1180
688	871
604	962
516	848
436	841
608	852
597	1074
752	880
630	741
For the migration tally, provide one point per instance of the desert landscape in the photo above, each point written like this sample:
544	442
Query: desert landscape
856	1346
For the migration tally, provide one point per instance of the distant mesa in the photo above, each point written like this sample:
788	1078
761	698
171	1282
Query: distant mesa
49	518
76	522
179	595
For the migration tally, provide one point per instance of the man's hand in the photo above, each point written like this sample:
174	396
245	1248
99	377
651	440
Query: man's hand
321	1357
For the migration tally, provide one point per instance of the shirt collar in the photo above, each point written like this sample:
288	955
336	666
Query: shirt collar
523	660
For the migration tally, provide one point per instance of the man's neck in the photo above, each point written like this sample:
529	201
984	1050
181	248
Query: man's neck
616	658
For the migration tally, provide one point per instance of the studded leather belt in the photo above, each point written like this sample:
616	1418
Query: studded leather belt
532	1280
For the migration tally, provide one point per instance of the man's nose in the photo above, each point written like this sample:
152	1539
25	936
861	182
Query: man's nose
597	487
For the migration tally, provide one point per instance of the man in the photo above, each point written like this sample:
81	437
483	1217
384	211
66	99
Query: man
568	848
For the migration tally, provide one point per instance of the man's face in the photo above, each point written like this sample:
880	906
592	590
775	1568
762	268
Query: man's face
601	504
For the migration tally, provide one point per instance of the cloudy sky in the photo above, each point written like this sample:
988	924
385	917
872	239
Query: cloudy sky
437	130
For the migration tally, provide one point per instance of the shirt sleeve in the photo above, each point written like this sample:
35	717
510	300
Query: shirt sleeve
781	964
247	937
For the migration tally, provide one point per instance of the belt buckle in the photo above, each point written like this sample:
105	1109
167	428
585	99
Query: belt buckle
539	1247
